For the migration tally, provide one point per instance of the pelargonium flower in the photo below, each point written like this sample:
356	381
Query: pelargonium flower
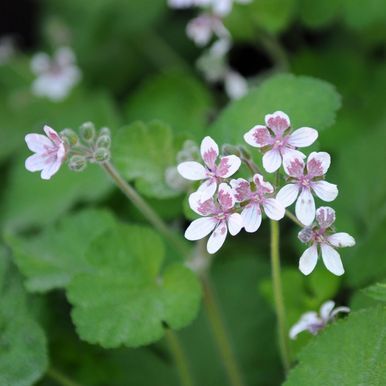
303	183
50	152
320	236
255	199
314	322
212	173
281	144
220	217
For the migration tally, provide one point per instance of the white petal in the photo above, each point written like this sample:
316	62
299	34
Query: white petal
307	319
293	164
303	137
50	169
228	166
297	328
217	238
258	136
305	207
226	198
236	86
200	228
52	135
278	122
261	185
241	189
325	190
339	309
38	142
192	170
35	162
331	260
235	223
318	163
341	239
251	215
308	260
325	216
288	194
273	209
272	160
209	151
326	308
200	206
207	189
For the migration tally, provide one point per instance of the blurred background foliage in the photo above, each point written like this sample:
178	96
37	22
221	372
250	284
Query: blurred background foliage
138	64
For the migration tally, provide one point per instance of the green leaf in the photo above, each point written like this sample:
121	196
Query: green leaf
124	299
307	101
23	351
50	259
349	352
142	152
317	14
174	97
377	291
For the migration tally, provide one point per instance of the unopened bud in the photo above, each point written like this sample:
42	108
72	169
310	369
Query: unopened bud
230	150
87	131
70	137
77	163
105	131
101	154
103	141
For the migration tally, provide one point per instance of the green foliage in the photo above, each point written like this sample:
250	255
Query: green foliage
142	152
52	258
350	352
377	291
308	102
125	280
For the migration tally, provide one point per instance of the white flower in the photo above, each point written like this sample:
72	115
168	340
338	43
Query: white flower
313	323
55	77
50	153
304	183
211	173
235	85
219	7
219	218
320	237
281	145
255	200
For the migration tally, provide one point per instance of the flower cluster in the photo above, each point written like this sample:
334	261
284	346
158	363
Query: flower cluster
227	204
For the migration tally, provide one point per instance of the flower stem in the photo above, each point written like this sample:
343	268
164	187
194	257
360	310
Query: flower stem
179	357
278	296
292	217
60	378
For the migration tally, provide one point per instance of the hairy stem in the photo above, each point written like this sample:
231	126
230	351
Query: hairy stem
60	378
179	357
278	296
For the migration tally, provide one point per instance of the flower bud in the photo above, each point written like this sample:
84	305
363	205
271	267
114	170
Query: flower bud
77	163
103	141
70	137
230	150
87	131
105	131
101	154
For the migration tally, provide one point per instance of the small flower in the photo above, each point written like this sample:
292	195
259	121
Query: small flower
313	323
320	236
306	183
280	145
254	200
212	173
50	152
219	218
55	77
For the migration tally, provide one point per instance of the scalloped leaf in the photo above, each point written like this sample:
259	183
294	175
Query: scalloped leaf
377	291
125	299
349	352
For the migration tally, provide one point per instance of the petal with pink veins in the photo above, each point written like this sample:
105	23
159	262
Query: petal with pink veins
318	163
207	189
308	260
52	135
38	143
226	198
200	228
303	137
325	216
235	223
228	166
332	260
258	136
273	209
217	238
200	206
261	185
192	171
272	160
251	215
241	189
293	166
341	240
288	194
209	152
278	122
325	190
305	207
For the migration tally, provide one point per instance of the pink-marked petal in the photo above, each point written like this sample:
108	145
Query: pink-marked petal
192	171
261	185
272	160
228	166
50	169
207	189
273	209
52	135
289	155
325	216
209	152
341	240
332	260
258	136
35	162
305	207
235	223
217	238
318	163
278	122
226	198
325	309
308	319
305	136
288	194
200	228
200	206
241	189
38	143
293	166
251	215
325	190
308	260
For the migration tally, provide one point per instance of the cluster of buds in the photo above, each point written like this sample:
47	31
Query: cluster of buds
230	204
54	149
